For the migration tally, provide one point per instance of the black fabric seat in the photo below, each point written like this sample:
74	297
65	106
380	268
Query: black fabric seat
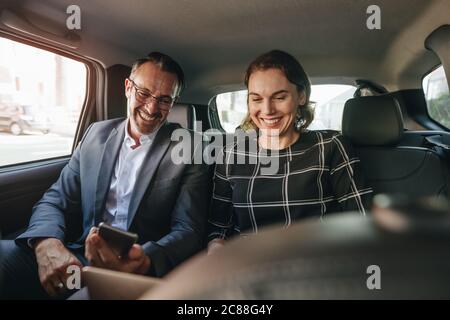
375	127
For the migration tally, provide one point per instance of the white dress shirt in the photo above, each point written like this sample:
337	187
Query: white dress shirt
124	177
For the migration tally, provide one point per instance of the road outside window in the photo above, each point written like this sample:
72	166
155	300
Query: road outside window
41	97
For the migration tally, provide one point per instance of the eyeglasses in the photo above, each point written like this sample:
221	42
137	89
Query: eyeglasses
144	96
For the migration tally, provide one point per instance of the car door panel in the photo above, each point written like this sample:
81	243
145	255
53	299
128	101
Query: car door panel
21	188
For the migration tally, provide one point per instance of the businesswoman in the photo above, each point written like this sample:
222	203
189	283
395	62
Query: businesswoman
317	173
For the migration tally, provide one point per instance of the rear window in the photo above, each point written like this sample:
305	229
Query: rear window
328	102
41	97
435	88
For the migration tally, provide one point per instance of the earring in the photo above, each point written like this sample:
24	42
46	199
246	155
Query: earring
299	120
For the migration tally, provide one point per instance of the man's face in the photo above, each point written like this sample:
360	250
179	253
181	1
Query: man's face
146	112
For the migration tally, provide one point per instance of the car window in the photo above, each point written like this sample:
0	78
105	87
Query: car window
328	102
435	88
41	97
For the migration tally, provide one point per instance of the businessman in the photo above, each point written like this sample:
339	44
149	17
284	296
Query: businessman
122	174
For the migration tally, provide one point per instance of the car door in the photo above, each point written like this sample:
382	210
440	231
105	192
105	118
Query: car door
62	87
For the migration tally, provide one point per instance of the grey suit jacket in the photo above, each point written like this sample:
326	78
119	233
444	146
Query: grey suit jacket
168	209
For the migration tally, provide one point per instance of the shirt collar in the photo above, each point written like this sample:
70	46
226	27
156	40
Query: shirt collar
144	139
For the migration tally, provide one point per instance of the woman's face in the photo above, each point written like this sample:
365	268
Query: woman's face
273	102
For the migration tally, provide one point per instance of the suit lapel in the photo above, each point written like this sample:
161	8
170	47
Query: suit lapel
149	167
110	153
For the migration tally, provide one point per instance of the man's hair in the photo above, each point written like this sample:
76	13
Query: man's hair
166	64
293	70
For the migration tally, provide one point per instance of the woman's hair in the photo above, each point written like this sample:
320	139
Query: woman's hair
292	69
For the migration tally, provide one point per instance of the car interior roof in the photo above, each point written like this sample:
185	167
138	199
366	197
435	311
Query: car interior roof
215	40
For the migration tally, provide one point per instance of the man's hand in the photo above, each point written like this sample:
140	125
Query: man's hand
99	254
53	258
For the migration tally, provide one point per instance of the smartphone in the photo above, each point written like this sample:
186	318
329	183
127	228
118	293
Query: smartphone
119	240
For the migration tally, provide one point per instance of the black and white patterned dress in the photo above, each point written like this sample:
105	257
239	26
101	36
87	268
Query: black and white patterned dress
317	175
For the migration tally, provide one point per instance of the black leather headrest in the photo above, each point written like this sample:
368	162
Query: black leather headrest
116	101
372	121
184	114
